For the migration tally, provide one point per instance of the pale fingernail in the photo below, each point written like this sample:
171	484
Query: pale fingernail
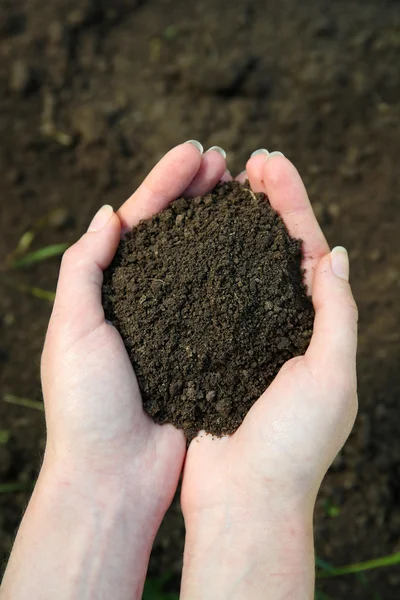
101	218
260	151
340	262
276	153
217	149
196	144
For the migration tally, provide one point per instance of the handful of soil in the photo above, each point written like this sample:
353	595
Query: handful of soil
209	299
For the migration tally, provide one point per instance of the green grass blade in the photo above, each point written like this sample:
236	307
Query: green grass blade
42	294
4	436
23	245
26	402
321	596
25	242
10	488
376	563
27	289
323	564
40	255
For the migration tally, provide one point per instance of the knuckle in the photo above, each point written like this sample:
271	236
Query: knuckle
69	254
291	364
72	254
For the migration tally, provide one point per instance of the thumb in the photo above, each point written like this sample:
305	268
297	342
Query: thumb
333	347
77	307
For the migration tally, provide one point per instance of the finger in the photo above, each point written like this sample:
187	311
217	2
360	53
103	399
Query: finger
279	179
211	171
166	182
255	168
334	342
78	305
242	177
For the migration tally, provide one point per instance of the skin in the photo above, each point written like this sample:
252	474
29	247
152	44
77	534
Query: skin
249	498
109	473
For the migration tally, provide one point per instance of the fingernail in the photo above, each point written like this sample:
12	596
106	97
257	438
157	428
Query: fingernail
101	218
242	173
260	151
217	149
196	144
276	153
340	262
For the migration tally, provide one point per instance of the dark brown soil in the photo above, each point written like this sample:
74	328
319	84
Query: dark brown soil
209	300
125	81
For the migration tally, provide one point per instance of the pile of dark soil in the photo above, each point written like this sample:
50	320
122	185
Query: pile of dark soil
209	299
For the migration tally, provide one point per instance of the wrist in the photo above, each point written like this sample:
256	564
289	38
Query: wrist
118	488
81	533
249	554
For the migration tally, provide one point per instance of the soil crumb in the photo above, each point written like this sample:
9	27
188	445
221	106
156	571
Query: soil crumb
210	302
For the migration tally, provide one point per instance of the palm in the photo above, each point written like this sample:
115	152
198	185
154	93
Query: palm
94	409
268	446
101	405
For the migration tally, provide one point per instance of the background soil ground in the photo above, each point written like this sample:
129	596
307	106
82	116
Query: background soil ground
92	96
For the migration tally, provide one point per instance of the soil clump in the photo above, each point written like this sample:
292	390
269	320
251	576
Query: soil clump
210	302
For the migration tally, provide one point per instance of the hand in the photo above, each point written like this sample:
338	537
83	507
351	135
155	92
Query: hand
109	471
95	420
249	498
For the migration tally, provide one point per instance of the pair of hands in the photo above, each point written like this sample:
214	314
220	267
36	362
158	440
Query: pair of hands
267	474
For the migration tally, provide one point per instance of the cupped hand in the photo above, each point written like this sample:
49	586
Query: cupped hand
291	435
96	424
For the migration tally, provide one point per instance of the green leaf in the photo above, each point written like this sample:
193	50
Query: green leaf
321	596
331	510
171	32
25	242
43	294
4	436
27	289
323	564
40	255
26	402
376	563
10	488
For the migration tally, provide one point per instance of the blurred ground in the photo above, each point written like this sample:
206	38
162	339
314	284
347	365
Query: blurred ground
92	96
